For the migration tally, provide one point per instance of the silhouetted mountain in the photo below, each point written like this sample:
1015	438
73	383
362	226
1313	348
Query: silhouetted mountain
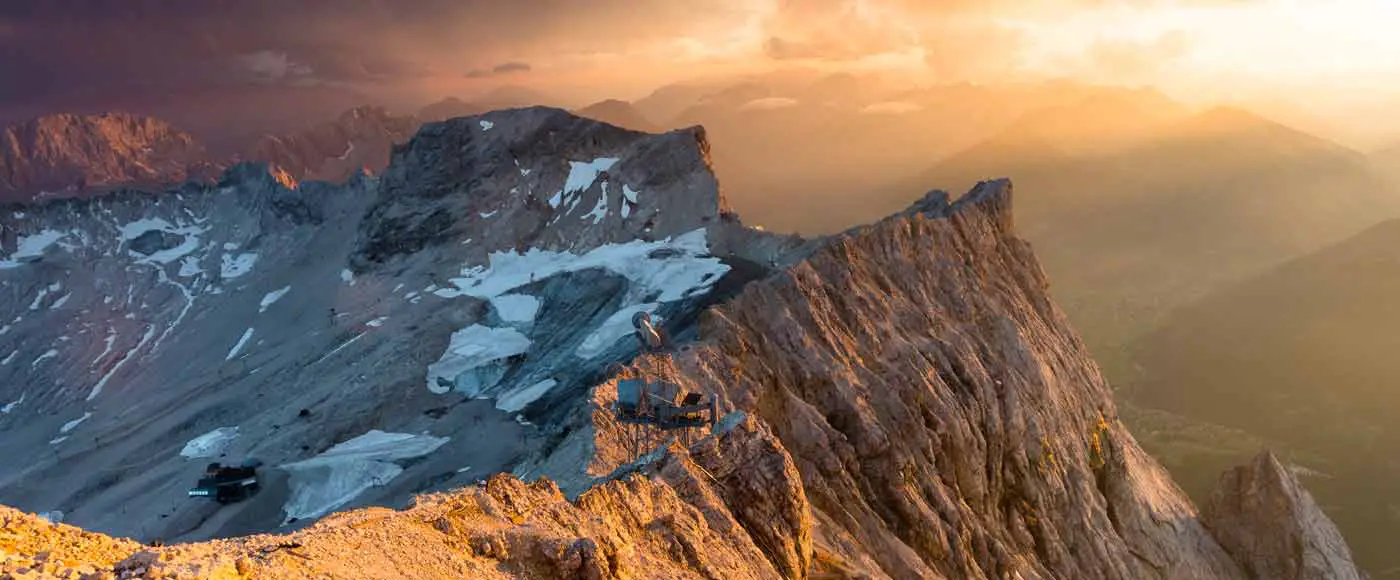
1387	161
448	108
1304	354
619	113
1179	210
512	96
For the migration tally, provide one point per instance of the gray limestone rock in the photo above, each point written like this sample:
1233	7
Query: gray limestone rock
1264	517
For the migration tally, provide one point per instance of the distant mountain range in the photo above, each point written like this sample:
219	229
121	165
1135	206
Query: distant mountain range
1168	207
79	155
61	155
1304	354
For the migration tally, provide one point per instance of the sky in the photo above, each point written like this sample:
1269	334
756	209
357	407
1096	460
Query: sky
1327	59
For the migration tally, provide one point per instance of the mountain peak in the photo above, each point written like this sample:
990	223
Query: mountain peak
1262	515
78	154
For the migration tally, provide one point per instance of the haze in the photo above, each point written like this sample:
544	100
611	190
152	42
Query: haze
1326	66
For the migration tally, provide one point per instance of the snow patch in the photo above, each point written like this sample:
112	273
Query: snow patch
189	267
486	125
31	246
233	352
272	297
518	399
615	328
210	444
340	474
111	338
12	404
378	322
674	268
600	210
102	383
474	348
235	266
43	293
61	301
581	175
347	276
9	359
488	214
71	425
189	233
43	357
516	308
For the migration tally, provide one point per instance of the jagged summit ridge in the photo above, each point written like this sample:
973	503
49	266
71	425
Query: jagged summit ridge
53	155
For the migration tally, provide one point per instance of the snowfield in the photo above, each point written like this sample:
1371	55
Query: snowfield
236	266
657	272
475	348
341	473
674	268
516	308
210	444
272	297
32	246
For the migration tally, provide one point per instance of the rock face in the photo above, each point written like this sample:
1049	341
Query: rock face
946	420
359	139
81	156
63	155
1265	519
900	401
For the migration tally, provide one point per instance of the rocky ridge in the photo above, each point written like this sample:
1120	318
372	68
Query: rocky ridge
902	400
62	155
359	140
1271	525
85	155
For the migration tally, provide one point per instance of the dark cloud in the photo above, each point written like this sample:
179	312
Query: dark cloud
507	68
54	50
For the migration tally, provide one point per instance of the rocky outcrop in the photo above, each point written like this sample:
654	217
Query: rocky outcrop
673	520
946	419
80	156
65	155
1264	518
360	139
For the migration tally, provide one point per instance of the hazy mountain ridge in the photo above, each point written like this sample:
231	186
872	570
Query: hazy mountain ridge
1303	355
1189	205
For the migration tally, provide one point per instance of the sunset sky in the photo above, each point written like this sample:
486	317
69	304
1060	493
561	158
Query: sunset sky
1335	59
